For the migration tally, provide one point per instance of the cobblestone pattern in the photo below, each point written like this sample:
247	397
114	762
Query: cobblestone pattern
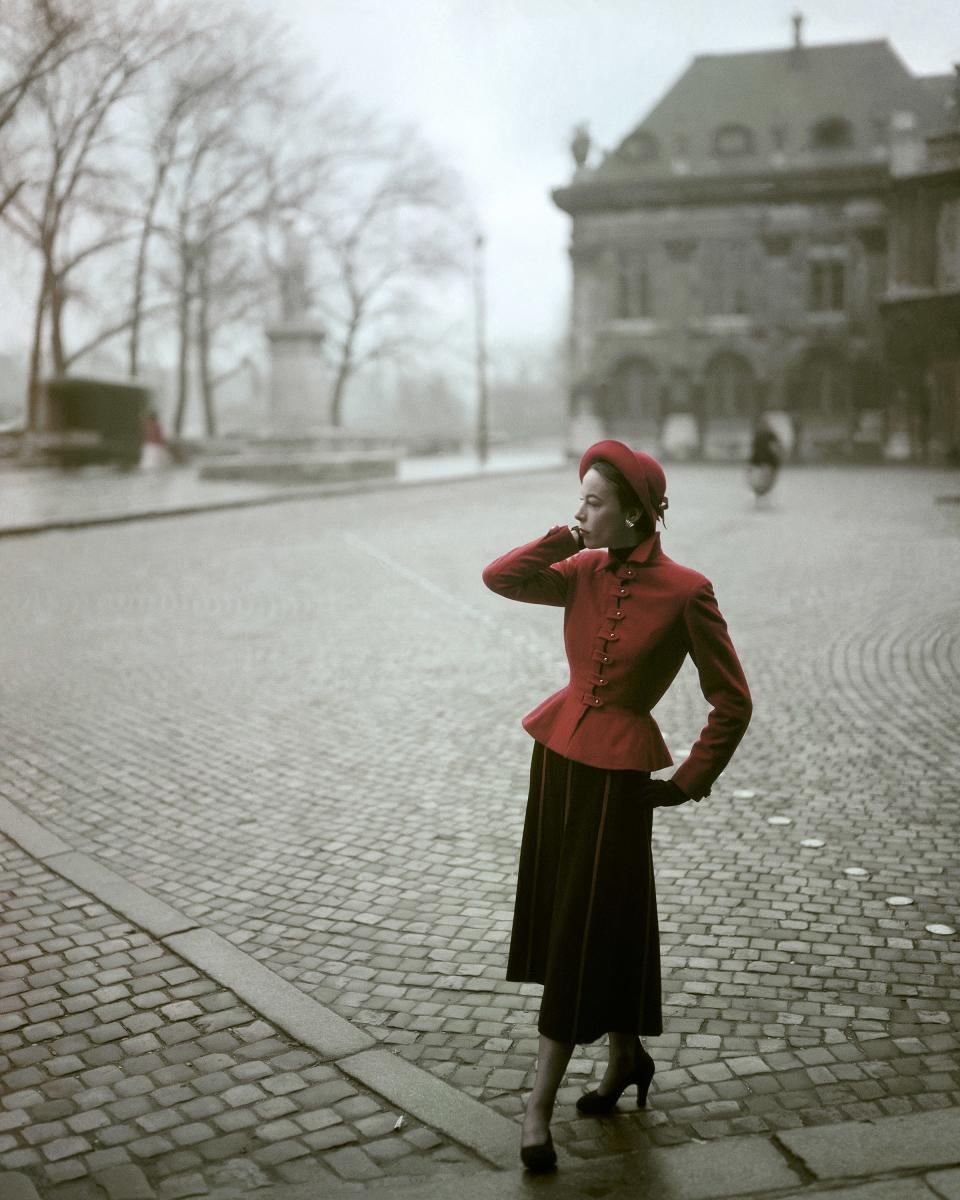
301	727
115	1053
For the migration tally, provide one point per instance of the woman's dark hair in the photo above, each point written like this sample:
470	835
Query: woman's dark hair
627	497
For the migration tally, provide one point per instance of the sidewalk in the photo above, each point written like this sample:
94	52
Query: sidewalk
147	1058
150	1057
41	499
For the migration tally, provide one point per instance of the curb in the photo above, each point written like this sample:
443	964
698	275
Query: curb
318	492
462	1119
747	1167
913	1157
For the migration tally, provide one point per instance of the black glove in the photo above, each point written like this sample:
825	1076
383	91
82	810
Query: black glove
663	793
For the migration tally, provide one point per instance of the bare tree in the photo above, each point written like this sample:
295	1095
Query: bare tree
391	228
214	186
166	148
181	88
36	38
241	142
65	207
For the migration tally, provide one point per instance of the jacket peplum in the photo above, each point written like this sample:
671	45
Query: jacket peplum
628	626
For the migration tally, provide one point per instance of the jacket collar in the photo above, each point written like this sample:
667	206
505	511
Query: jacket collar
644	552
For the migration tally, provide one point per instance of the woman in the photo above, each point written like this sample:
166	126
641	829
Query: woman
585	922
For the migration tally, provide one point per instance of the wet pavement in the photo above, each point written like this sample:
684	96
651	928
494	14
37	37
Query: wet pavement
48	498
298	727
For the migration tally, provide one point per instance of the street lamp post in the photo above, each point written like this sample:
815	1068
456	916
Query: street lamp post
480	315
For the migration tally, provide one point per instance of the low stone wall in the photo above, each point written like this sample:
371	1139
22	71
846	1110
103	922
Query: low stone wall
322	467
315	442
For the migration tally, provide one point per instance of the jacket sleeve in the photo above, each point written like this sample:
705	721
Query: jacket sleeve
725	689
536	572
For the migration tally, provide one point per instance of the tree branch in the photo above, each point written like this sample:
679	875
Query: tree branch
113	331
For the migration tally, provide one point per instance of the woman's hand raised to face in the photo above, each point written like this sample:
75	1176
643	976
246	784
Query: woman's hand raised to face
577	535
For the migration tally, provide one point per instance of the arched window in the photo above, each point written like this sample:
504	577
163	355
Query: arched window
633	399
822	388
729	141
640	146
871	383
832	133
729	388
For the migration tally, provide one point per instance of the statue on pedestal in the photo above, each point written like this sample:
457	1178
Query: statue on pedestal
294	283
580	145
299	391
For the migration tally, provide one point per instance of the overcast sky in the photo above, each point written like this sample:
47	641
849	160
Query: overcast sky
497	85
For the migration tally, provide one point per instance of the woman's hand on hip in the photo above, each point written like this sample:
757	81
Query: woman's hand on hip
663	793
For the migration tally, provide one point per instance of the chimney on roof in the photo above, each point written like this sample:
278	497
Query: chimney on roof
797	55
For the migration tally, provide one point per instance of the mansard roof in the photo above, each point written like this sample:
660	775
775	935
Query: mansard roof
799	108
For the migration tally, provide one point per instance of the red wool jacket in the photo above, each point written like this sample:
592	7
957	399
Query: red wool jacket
627	629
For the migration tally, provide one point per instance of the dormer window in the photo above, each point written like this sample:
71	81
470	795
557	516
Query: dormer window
640	146
832	133
729	141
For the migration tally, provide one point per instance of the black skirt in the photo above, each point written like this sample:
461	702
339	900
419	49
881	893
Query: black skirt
585	921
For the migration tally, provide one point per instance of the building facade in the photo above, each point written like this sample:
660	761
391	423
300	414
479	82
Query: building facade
921	306
729	257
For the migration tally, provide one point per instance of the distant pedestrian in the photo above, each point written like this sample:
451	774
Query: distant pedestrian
154	453
585	921
766	455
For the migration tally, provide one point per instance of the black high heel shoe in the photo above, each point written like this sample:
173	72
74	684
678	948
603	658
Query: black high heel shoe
597	1103
539	1158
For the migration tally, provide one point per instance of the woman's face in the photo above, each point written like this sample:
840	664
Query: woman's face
601	519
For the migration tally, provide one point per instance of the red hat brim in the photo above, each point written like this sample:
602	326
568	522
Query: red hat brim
641	471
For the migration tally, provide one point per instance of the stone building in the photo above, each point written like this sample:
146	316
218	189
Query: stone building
730	254
921	307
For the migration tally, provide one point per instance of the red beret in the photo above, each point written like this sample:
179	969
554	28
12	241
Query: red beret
641	471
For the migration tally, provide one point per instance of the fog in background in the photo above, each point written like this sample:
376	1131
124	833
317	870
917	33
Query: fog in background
490	93
497	87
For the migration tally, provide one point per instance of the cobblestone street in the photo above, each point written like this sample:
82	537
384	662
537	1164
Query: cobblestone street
299	726
129	1056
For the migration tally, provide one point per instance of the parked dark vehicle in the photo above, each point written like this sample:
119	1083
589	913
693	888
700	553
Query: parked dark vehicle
90	420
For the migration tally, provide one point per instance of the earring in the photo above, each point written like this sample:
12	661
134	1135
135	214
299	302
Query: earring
630	523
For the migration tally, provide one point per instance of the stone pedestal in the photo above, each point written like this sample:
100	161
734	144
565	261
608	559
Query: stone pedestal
299	383
299	445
